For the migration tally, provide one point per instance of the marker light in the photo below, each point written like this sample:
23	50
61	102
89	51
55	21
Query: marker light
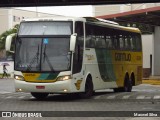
62	78
19	90
65	90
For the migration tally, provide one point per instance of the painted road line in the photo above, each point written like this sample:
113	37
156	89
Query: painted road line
9	97
4	92
111	97
126	97
140	97
21	97
147	97
156	97
97	97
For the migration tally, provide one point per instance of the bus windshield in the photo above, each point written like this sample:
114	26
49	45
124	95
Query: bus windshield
42	53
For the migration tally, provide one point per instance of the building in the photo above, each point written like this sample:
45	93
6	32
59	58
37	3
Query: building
11	16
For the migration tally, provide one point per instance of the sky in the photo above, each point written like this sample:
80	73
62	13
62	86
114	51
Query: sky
77	11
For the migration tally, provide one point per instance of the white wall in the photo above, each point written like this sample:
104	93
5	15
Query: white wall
156	48
147	43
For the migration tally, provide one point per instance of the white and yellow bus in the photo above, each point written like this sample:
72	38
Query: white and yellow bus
75	55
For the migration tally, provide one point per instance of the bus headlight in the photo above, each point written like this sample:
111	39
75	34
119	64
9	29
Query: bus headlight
62	78
18	77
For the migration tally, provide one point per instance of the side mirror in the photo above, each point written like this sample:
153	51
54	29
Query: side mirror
73	42
9	41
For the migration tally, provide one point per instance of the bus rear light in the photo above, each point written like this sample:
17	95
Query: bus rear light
40	87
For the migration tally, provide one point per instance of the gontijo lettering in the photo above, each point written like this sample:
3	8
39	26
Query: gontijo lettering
122	57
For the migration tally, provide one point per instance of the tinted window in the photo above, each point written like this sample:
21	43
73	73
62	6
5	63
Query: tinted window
103	37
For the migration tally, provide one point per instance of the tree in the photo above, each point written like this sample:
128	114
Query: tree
5	34
3	40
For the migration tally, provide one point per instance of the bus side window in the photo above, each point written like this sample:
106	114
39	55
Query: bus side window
100	42
127	43
93	41
108	42
115	44
138	42
90	37
121	42
133	43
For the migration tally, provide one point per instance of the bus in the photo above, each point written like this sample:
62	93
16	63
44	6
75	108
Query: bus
65	55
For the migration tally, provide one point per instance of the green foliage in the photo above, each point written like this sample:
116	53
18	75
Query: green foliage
5	34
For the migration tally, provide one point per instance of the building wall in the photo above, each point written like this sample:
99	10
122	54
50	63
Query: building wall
3	20
156	48
106	9
147	43
19	15
10	17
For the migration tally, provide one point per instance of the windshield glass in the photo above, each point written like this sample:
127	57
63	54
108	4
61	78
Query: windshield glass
42	54
45	28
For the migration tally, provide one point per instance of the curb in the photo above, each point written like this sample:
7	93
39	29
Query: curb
151	81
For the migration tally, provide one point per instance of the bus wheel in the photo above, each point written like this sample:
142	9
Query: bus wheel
127	84
39	96
88	89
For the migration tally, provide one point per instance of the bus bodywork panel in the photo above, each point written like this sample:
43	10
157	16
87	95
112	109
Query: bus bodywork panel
55	87
109	67
44	82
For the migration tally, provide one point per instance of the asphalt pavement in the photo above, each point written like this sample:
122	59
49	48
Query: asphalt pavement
6	85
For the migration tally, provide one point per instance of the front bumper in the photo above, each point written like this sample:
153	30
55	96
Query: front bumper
55	87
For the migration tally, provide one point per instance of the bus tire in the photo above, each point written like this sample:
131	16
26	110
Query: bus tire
88	89
133	79
39	96
127	84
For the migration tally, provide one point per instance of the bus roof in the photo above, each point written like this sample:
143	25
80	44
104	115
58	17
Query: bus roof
93	20
111	24
56	18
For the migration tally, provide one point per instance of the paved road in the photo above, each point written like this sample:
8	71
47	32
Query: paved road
143	98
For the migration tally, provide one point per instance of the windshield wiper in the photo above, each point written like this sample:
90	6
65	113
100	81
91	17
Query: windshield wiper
47	59
36	57
68	60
